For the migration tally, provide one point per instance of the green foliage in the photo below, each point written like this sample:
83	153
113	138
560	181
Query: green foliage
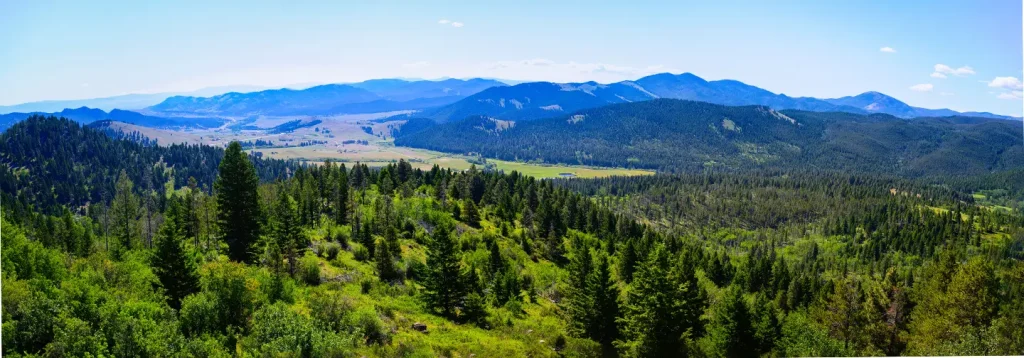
730	332
238	211
309	269
171	263
661	310
794	263
444	284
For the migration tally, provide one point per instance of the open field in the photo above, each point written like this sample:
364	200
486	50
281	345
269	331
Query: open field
344	139
381	153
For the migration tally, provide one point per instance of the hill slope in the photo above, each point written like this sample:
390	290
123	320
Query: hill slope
685	135
46	161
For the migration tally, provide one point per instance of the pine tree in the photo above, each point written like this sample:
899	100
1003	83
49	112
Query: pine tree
579	298
444	283
730	332
471	214
171	263
656	318
238	214
604	293
341	197
125	213
287	233
386	270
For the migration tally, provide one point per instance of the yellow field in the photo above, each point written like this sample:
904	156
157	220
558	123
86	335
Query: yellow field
381	153
379	149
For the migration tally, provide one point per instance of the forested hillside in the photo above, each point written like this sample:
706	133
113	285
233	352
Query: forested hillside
46	162
338	261
685	136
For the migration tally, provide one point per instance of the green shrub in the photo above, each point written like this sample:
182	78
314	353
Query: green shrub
331	251
199	314
279	331
360	252
329	309
309	269
370	326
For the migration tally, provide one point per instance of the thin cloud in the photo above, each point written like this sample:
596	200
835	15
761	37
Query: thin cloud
887	49
938	75
946	70
1012	95
1010	83
450	22
946	94
924	87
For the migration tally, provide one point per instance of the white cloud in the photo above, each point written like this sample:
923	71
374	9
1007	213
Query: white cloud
938	75
1012	95
924	87
887	49
946	70
1010	83
450	22
414	65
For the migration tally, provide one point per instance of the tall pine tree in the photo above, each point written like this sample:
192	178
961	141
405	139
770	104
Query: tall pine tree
444	284
238	214
171	262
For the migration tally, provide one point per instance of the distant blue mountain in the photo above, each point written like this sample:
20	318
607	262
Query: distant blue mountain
364	97
87	115
536	100
128	101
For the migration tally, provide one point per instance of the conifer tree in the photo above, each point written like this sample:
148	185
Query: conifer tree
125	213
171	262
730	332
656	317
604	290
444	282
238	214
287	233
471	214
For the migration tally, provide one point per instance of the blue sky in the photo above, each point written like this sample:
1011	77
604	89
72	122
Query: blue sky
81	49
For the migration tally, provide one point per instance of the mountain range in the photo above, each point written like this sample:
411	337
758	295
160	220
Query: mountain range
680	135
128	101
545	99
454	99
371	96
87	115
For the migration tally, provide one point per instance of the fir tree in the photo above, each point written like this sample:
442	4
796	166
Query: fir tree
238	214
444	283
656	318
171	262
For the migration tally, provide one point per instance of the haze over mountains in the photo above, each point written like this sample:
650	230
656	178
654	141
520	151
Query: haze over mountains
128	101
382	95
455	99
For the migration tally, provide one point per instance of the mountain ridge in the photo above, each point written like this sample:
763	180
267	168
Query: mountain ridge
685	86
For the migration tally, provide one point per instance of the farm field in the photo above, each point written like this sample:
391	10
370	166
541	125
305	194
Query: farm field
357	138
